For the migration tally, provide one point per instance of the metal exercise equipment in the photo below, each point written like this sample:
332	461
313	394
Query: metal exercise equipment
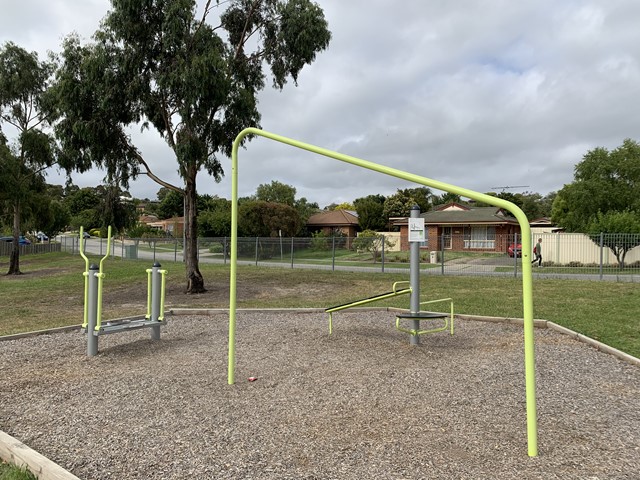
92	323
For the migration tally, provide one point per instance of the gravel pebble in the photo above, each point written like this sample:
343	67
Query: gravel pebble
359	404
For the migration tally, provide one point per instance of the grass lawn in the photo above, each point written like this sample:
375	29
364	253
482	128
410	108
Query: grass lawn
50	294
11	472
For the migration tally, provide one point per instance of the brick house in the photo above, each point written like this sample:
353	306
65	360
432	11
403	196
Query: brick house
465	228
336	222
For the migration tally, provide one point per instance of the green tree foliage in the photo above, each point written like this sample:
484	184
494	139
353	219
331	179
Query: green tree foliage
604	197
372	242
116	210
266	219
24	81
305	209
171	205
215	220
397	205
421	196
446	198
370	211
604	181
83	206
623	228
344	206
196	84
276	192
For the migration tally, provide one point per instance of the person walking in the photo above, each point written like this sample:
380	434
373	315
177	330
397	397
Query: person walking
537	251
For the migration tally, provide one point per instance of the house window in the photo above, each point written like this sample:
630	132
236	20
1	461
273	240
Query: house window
446	237
480	238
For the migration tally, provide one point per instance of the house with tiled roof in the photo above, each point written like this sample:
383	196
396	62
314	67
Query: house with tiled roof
335	223
459	228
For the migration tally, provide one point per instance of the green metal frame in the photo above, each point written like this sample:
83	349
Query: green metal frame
364	301
100	275
527	282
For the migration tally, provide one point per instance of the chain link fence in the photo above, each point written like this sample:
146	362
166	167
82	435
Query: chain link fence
612	257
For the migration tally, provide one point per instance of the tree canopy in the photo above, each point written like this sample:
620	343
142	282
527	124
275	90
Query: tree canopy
163	65
24	81
604	181
604	198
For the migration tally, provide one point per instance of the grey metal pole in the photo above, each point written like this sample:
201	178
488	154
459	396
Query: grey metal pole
442	254
333	253
291	252
92	311
601	253
256	251
155	299
382	256
414	279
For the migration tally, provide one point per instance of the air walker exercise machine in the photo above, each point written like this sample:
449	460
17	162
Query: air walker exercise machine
92	322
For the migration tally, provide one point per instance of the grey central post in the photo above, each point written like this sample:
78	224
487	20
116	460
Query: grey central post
92	311
414	278
155	299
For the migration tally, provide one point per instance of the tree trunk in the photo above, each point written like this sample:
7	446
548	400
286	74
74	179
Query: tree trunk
14	259
195	282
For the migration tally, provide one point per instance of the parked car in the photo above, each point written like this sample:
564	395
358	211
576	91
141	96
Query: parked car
514	249
22	240
42	237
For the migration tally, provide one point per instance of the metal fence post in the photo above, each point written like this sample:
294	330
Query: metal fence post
382	254
291	252
333	253
601	254
224	250
257	251
442	254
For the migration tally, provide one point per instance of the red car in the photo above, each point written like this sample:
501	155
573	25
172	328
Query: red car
514	249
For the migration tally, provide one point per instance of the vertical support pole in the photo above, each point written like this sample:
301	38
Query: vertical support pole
414	279
291	252
442	254
333	253
257	239
224	250
601	253
155	300
382	255
92	311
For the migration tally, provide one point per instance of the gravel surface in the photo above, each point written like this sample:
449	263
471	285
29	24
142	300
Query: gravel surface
359	404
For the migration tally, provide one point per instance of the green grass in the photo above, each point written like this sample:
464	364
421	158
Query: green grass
11	472
50	294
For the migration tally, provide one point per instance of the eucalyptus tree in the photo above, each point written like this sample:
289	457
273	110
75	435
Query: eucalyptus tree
191	74
26	148
604	198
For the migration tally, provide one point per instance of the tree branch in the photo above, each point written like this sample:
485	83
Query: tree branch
156	179
244	30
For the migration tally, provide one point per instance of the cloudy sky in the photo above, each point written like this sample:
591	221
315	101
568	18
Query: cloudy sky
476	93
